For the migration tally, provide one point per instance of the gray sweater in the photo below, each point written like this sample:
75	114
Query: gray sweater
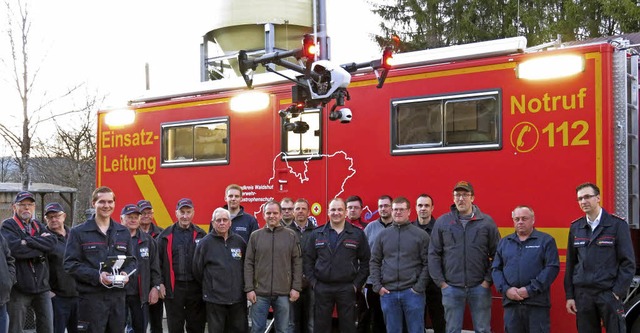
399	259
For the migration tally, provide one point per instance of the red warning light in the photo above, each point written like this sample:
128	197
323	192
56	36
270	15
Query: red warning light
387	57
309	48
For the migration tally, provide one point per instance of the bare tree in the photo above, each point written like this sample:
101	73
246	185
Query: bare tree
69	157
23	78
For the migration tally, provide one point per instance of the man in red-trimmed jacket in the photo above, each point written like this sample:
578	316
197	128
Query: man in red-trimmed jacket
182	292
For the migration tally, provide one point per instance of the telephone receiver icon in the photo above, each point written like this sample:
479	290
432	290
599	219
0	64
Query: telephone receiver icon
525	129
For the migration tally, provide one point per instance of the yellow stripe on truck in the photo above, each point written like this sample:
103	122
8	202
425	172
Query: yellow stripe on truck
149	192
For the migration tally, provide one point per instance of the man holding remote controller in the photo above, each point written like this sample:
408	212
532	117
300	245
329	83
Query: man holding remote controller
90	244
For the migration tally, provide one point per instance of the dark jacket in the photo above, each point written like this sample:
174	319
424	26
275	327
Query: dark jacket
154	231
399	259
62	284
347	263
7	271
87	247
165	248
273	264
148	273
218	265
603	260
243	224
532	263
32	266
303	236
426	227
461	256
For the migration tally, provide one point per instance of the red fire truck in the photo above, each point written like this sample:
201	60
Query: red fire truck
503	117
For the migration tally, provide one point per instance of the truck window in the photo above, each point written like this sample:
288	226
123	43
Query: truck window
195	143
467	121
302	145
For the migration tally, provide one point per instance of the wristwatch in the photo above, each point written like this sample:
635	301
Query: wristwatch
158	287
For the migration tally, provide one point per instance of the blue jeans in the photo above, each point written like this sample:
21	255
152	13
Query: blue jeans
42	307
405	305
260	311
4	319
479	299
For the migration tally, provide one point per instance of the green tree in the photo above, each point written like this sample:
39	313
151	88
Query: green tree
423	24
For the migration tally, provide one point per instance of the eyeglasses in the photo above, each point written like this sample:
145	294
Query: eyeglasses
461	195
521	218
54	216
400	210
586	197
287	209
26	205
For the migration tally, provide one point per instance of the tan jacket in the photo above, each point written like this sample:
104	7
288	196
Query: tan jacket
273	265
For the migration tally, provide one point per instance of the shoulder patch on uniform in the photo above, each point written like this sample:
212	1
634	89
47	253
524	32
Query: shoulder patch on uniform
622	218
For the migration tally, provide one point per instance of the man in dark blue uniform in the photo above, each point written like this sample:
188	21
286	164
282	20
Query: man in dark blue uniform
29	243
63	285
148	225
600	265
242	224
143	289
102	303
525	265
336	263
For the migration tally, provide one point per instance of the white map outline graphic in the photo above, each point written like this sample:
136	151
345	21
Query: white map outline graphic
302	176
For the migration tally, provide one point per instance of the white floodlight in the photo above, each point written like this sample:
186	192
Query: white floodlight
550	67
120	117
249	101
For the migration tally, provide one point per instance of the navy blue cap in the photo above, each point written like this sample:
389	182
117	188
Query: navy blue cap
52	207
184	202
144	204
23	196
130	209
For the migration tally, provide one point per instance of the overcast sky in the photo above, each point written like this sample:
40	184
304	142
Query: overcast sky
105	44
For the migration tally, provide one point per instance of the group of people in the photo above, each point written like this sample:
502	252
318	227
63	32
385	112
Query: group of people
388	275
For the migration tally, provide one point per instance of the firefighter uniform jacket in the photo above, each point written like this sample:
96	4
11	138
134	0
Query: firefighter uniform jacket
87	247
148	273
165	247
32	266
62	284
347	263
602	260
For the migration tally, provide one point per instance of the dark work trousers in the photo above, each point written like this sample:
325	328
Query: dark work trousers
65	314
156	311
520	318
223	318
434	307
375	311
138	312
344	297
594	305
186	306
301	313
363	313
102	312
